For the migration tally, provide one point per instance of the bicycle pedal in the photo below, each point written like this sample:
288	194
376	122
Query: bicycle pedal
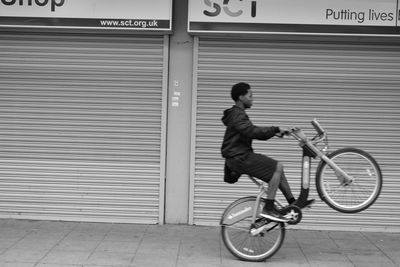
256	231
260	222
309	203
306	204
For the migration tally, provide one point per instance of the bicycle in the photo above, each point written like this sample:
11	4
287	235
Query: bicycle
349	180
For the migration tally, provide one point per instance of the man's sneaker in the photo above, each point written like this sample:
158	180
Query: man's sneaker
304	204
273	215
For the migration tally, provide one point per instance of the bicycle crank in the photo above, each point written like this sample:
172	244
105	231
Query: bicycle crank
292	213
262	224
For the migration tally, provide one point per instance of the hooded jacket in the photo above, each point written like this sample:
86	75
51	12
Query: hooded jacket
240	133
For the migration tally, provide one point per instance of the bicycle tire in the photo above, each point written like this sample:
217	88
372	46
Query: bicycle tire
238	239
361	193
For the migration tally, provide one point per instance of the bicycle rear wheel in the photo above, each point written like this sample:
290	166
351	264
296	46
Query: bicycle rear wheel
235	230
358	195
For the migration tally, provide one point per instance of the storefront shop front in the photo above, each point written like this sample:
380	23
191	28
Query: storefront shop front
337	62
82	109
111	113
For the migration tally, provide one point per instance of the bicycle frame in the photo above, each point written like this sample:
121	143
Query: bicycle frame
263	191
252	237
310	150
304	191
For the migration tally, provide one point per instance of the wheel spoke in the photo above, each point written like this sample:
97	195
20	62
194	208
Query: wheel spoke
361	192
244	245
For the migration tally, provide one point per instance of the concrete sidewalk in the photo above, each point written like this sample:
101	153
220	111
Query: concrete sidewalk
66	244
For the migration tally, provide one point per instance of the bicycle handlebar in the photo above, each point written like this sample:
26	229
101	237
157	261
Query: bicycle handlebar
299	135
317	127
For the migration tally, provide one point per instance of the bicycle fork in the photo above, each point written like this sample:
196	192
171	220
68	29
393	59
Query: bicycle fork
311	151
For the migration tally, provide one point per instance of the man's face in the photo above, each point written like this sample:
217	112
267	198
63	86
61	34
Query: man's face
247	99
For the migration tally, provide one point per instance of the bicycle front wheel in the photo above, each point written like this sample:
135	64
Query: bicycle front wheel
361	192
236	225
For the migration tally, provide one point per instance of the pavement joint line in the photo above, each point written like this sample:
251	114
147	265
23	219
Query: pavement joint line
383	252
51	249
140	243
337	245
302	251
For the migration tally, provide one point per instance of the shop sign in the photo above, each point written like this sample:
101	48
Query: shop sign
144	15
295	16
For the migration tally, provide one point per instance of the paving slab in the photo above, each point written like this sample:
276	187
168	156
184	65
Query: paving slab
26	243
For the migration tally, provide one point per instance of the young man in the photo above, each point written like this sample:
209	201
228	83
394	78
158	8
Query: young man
240	157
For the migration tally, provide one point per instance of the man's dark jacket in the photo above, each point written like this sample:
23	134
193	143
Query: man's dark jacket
240	133
238	137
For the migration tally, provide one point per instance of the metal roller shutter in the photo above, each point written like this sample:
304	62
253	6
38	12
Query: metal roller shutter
352	88
81	127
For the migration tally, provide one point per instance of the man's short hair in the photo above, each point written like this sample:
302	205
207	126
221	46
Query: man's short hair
238	90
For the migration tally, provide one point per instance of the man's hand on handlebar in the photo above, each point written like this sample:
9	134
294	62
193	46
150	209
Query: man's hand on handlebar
282	132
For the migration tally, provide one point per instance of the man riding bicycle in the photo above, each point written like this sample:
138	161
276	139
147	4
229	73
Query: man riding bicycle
239	154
